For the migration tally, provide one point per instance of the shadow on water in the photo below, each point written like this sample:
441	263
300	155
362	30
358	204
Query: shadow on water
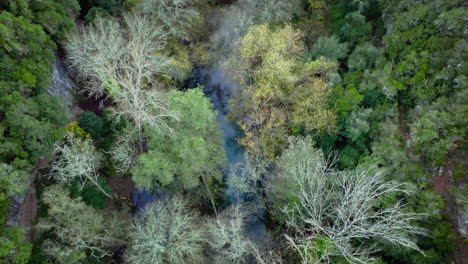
218	88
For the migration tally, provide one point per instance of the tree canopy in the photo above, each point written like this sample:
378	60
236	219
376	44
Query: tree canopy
189	158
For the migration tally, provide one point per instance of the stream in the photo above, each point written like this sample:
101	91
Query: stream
218	89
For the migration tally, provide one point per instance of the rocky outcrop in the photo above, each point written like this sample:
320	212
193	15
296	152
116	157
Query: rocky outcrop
62	85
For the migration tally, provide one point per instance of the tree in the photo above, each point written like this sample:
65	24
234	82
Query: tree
26	55
243	14
76	158
166	232
13	248
32	125
264	64
102	129
333	210
329	47
280	94
13	181
190	158
122	62
435	129
30	121
309	101
123	152
364	57
355	28
175	16
357	124
55	16
273	11
225	236
79	228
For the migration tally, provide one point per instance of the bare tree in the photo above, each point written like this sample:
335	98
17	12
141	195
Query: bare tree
342	213
123	151
76	158
166	232
79	227
176	16
226	236
123	62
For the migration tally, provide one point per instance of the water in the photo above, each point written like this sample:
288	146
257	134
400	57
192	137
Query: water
218	88
142	197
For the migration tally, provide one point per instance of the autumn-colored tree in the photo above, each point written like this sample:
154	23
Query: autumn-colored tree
280	94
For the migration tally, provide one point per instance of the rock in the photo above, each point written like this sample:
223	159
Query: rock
62	85
463	224
13	213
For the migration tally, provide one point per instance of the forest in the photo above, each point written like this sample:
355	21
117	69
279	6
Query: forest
233	131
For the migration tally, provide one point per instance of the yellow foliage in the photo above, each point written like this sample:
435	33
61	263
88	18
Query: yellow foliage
310	108
320	67
181	65
278	90
73	127
271	55
201	53
317	4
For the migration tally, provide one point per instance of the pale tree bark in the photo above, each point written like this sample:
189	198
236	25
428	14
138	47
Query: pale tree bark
166	232
76	158
79	227
338	208
226	236
175	16
122	62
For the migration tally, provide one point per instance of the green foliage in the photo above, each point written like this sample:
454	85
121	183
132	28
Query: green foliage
33	125
273	11
27	57
345	100
181	67
364	57
329	47
396	101
90	194
320	246
190	156
12	181
432	136
29	120
110	6
355	28
55	16
13	248
95	13
101	129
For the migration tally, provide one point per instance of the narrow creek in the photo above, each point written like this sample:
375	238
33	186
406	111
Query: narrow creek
218	89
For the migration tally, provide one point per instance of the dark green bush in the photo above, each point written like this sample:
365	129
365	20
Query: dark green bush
100	128
90	193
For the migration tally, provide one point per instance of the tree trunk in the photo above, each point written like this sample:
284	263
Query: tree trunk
211	195
99	187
